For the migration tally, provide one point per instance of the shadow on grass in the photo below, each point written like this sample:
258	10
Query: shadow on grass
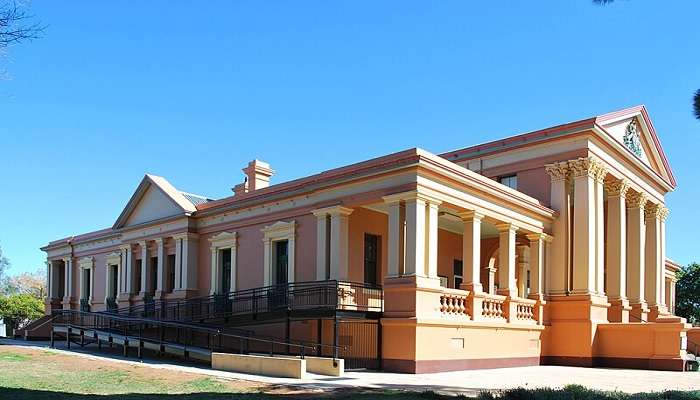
29	394
572	392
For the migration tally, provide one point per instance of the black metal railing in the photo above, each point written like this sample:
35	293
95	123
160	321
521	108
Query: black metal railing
111	304
179	334
84	305
297	296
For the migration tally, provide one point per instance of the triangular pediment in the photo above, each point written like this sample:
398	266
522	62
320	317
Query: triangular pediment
634	130
154	199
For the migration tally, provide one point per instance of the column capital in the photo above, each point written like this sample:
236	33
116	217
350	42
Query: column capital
412	195
67	259
142	243
589	166
557	171
471	215
332	210
655	211
533	237
636	200
159	241
506	226
185	235
617	188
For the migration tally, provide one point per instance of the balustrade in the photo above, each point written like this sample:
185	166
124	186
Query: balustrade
455	302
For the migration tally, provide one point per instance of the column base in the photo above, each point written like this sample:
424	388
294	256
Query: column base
619	311
656	311
639	312
67	303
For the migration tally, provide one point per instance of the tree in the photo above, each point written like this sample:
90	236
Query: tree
27	283
696	97
16	25
19	309
4	265
688	293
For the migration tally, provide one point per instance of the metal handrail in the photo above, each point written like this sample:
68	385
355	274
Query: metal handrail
97	318
267	298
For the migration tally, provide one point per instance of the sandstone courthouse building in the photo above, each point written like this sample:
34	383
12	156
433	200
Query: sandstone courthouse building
543	248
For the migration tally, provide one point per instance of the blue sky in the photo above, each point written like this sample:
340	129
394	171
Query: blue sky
115	90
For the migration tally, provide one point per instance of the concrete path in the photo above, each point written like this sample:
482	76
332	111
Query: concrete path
461	382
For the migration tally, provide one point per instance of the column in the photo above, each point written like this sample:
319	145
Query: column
160	273
144	267
536	263
616	251
522	255
635	255
188	258
506	258
584	261
663	214
471	250
129	265
653	266
600	174
234	266
339	243
68	295
560	201
178	262
431	238
396	239
50	287
415	237
215	286
322	246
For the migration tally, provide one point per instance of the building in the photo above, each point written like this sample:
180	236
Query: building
546	247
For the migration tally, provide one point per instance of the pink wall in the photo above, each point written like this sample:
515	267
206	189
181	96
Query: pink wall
364	221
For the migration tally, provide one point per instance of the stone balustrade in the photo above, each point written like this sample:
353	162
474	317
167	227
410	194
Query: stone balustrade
525	310
455	302
493	307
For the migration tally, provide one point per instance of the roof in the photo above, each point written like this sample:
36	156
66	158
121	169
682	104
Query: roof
196	199
566	129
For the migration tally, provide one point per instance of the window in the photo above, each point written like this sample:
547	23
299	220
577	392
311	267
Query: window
371	258
114	280
510	180
457	270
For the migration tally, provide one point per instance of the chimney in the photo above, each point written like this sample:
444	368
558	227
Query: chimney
258	175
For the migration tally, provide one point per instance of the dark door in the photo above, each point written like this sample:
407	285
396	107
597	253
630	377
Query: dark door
281	262
154	274
225	271
371	258
115	280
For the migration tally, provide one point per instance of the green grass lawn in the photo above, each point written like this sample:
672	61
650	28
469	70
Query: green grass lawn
45	374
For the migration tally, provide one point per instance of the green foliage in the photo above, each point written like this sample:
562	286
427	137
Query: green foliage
19	308
696	104
688	293
577	392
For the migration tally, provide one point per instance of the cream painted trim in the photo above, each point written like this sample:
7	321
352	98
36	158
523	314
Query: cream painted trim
273	233
222	241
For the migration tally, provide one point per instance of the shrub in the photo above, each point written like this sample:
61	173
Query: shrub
19	309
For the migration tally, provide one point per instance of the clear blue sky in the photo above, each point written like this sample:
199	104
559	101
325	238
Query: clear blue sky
116	90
